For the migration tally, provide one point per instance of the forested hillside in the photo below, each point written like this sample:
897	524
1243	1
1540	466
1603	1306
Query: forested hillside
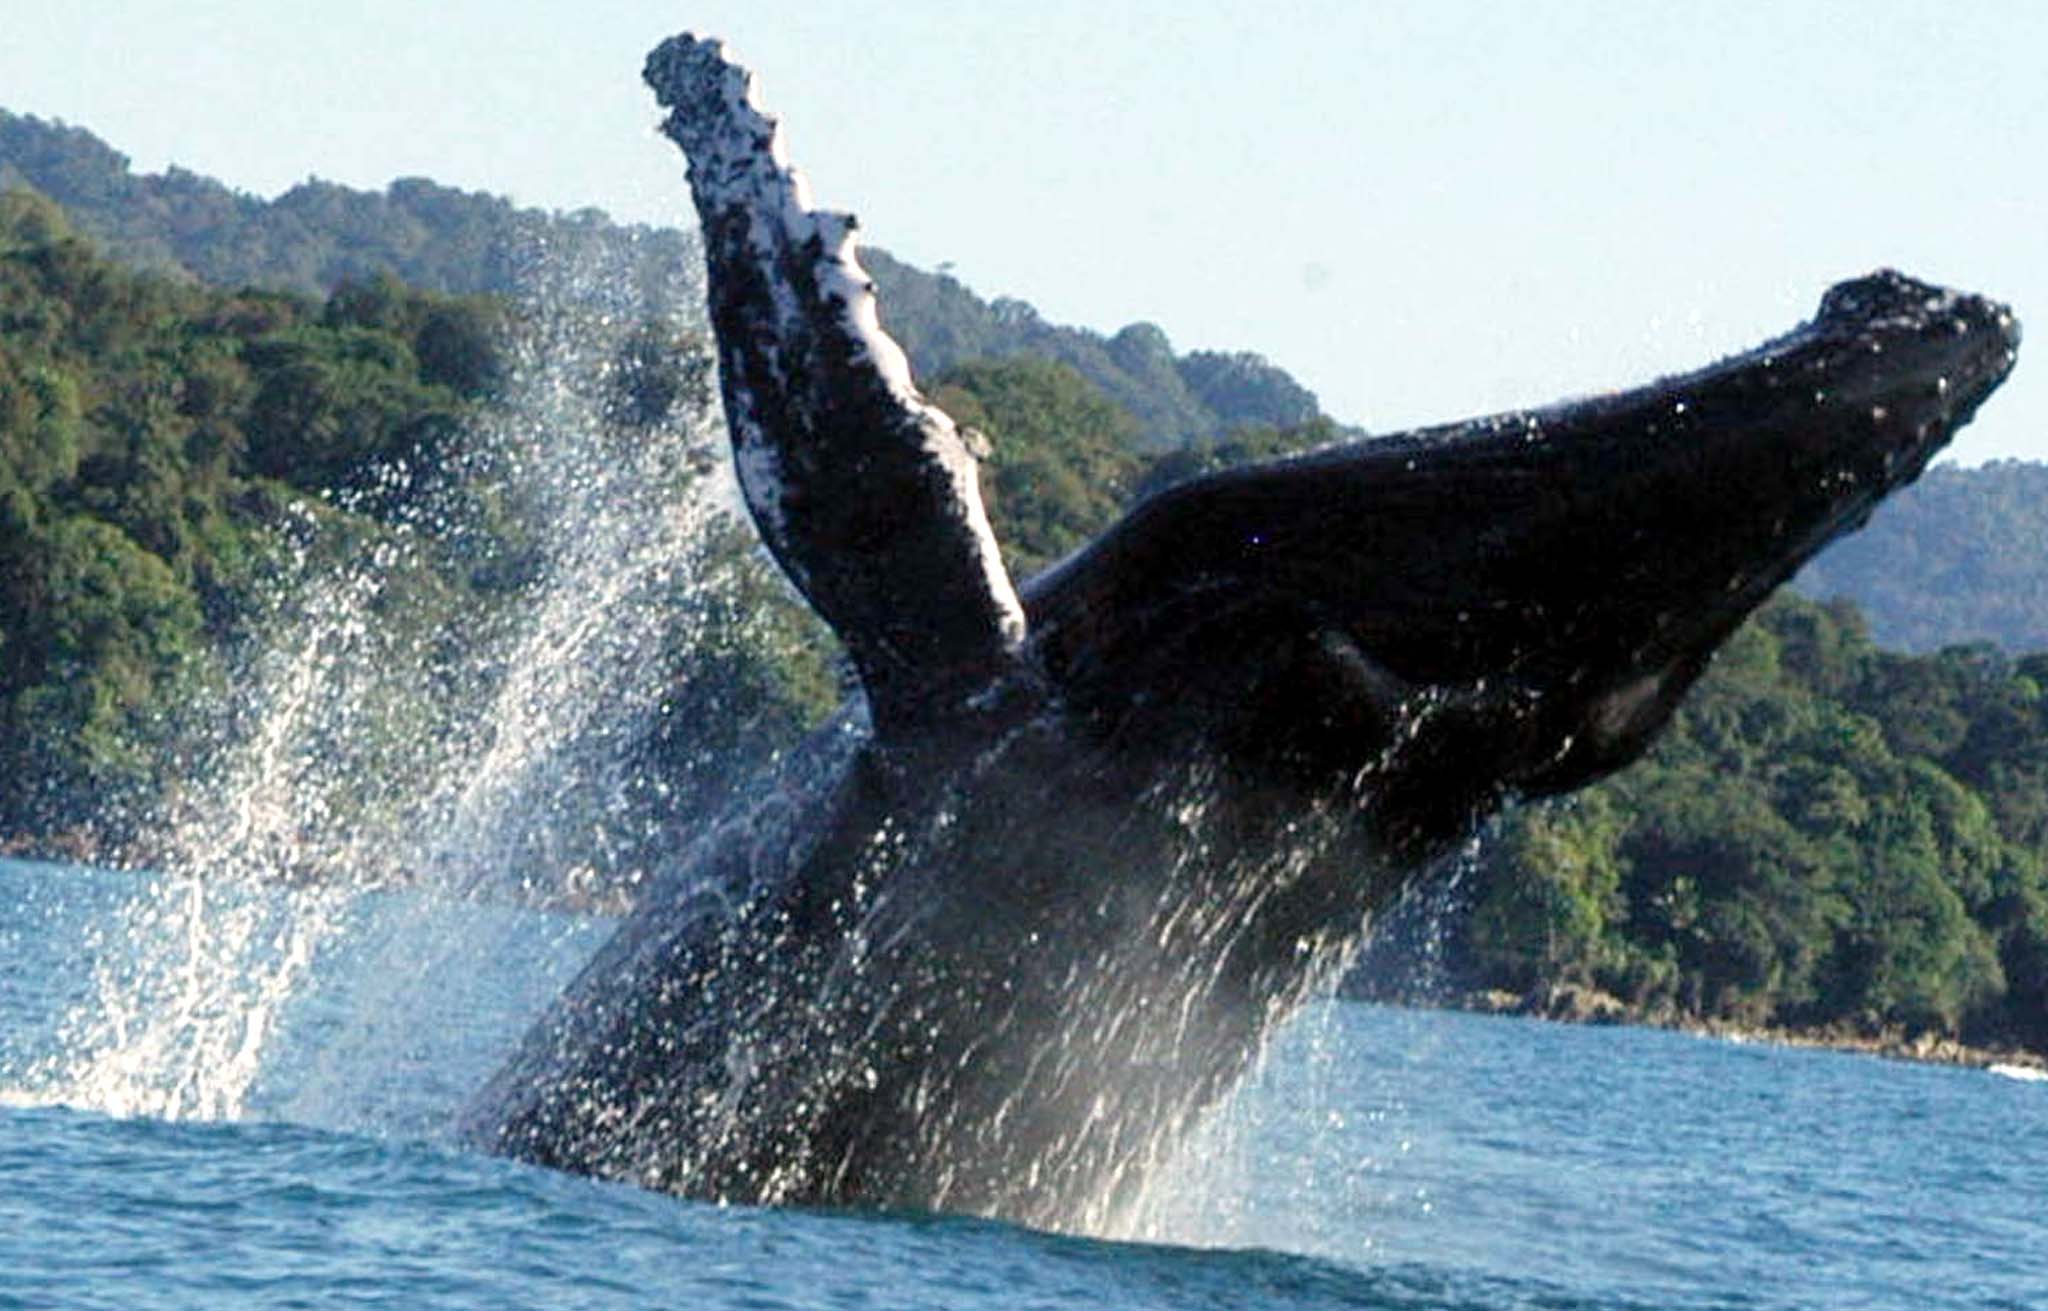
1175	399
318	235
1831	837
1960	556
178	462
152	436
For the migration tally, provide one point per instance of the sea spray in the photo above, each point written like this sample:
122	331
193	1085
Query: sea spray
356	747
1296	1124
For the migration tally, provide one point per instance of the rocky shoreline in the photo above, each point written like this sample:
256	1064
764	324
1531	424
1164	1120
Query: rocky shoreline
76	846
1575	1004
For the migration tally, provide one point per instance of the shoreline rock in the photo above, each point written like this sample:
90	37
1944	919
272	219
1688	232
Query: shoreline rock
1569	1003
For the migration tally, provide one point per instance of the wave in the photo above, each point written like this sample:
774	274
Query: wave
409	1222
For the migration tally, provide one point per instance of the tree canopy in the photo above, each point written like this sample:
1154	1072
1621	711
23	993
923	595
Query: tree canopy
1960	556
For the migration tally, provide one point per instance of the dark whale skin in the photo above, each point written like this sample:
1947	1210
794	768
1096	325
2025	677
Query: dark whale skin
992	939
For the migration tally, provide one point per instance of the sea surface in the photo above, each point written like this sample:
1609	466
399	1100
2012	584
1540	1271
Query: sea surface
220	1100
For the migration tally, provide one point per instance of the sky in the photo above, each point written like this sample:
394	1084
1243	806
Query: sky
1423	210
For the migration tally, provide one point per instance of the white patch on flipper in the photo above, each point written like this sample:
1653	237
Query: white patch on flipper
739	160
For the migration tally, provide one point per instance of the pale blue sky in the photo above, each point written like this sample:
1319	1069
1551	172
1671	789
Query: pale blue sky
1423	210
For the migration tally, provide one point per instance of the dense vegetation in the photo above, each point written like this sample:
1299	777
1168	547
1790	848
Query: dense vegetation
1174	400
152	436
175	460
1831	836
318	235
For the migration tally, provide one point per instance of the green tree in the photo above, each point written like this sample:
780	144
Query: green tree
1061	460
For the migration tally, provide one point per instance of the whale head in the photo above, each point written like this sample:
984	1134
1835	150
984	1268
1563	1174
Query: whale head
1512	605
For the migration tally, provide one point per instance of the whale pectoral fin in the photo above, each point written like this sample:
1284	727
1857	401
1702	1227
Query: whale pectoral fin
864	491
1612	727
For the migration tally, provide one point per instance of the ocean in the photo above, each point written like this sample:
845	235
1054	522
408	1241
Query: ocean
220	1099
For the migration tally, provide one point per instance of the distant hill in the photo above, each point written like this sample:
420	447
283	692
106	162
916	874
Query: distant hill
1961	556
319	235
1176	399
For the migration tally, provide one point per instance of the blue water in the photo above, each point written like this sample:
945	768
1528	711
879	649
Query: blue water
1385	1158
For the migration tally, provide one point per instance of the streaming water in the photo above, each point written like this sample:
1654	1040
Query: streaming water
1204	1187
378	731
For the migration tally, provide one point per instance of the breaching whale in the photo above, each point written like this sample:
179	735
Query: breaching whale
991	939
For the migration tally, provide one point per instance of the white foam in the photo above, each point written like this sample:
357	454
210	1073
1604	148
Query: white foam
2024	1073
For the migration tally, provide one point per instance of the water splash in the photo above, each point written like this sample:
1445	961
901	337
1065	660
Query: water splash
1309	1134
382	730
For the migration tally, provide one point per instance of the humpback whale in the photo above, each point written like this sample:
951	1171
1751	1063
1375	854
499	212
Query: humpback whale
991	939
